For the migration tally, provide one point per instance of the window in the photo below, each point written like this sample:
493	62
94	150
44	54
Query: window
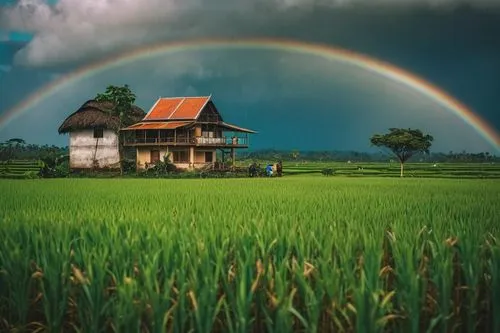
209	157
181	156
155	156
98	133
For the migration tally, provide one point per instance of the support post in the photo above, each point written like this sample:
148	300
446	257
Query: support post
137	159
191	156
233	157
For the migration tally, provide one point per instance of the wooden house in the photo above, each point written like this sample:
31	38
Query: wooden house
93	139
188	129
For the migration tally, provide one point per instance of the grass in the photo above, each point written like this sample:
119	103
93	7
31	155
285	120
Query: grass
304	253
378	169
20	168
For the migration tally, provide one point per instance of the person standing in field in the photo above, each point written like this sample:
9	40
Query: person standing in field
269	170
279	169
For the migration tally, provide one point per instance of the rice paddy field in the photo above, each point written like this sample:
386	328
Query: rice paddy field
379	169
303	253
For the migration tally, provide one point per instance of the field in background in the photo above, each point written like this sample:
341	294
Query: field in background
264	255
22	169
380	169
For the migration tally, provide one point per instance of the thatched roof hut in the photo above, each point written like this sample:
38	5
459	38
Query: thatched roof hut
97	114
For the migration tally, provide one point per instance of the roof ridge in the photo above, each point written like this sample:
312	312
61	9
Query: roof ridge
152	108
177	107
203	106
177	97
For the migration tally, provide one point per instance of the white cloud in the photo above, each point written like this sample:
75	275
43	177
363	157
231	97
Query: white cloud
74	31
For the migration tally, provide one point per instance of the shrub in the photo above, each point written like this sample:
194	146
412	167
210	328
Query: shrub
327	172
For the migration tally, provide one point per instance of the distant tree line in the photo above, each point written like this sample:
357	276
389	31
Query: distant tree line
15	149
355	156
18	149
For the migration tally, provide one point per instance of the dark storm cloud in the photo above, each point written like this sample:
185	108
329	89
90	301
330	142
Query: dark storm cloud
453	44
74	31
326	117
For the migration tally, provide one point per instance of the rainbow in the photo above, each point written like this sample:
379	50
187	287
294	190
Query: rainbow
328	52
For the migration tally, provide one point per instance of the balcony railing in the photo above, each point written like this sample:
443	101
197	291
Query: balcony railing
200	141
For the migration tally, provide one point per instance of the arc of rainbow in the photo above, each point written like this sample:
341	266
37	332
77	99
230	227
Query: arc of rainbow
328	52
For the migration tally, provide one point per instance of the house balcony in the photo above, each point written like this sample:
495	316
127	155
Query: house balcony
227	142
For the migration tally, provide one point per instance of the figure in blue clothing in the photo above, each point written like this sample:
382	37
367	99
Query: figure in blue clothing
269	170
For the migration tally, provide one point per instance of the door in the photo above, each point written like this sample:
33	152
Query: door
209	157
155	156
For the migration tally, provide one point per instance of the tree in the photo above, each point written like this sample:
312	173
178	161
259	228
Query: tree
9	147
403	143
122	99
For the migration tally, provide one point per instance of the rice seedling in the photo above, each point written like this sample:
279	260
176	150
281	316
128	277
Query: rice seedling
298	254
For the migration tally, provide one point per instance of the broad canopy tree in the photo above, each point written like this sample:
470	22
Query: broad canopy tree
403	143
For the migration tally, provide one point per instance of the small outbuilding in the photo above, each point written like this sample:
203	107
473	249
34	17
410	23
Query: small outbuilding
93	138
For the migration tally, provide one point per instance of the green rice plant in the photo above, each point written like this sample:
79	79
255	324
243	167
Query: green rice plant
311	295
468	252
127	306
180	316
411	281
493	265
301	254
370	300
440	256
53	259
331	279
91	278
278	311
158	272
204	289
16	278
237	285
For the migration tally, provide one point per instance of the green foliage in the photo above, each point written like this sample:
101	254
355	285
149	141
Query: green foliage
270	155
214	255
32	174
122	98
9	147
21	169
404	143
17	141
129	165
56	169
327	172
161	167
20	150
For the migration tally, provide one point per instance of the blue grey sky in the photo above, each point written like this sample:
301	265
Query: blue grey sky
294	101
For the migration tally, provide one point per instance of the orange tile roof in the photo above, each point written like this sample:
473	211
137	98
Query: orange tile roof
177	108
157	125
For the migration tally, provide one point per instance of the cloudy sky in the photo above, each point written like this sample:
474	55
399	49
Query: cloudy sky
293	100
